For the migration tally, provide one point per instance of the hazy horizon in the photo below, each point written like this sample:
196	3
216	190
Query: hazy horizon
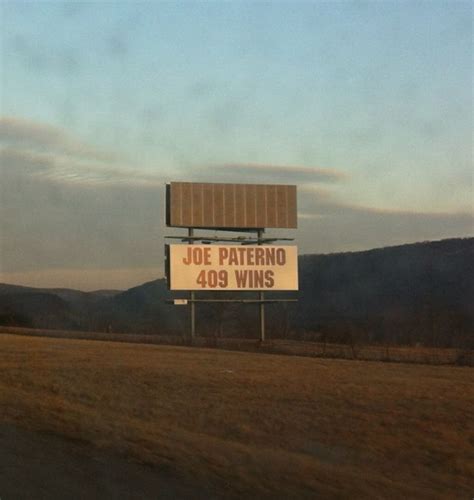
131	278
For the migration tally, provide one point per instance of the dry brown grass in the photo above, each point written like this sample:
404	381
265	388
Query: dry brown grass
386	353
248	425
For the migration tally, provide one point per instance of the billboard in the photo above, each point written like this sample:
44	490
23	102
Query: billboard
230	206
232	267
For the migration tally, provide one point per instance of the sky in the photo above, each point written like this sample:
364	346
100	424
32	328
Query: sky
365	106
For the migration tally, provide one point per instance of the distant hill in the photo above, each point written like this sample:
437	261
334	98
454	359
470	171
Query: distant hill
140	309
422	292
106	293
416	293
65	293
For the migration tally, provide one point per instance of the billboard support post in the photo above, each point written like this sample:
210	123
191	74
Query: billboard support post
262	297
193	304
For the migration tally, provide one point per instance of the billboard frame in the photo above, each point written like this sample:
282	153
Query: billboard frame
191	238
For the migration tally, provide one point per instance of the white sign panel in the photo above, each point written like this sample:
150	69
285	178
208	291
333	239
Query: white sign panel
180	302
233	267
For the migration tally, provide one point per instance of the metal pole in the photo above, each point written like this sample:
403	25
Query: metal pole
193	304
262	296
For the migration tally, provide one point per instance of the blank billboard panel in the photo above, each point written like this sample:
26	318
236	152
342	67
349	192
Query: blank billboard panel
230	206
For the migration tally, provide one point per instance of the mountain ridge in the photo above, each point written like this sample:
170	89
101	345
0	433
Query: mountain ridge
418	292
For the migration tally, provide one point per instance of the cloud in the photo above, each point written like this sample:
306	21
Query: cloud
63	169
50	152
33	136
48	224
64	206
72	219
359	229
268	174
38	58
316	202
327	224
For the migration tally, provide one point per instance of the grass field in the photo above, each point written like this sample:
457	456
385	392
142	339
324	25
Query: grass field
250	425
397	354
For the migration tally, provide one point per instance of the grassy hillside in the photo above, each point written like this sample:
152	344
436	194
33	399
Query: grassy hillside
243	424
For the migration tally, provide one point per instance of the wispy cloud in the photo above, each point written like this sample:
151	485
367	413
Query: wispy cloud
63	169
266	173
327	222
350	228
316	202
34	136
64	211
47	152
